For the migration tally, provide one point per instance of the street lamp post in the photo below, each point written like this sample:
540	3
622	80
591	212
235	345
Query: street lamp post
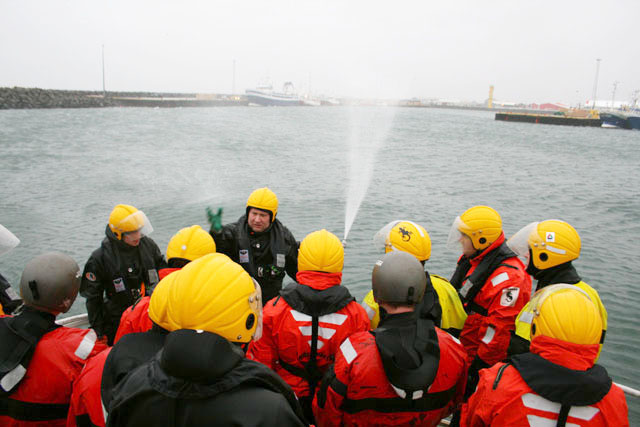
595	82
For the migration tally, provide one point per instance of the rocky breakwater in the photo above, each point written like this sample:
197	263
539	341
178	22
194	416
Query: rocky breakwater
21	98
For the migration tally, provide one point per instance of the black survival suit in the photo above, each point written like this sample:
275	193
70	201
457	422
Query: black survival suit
266	256
113	277
200	378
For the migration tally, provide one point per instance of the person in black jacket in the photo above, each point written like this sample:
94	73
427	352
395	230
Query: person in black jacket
9	299
200	375
259	242
123	268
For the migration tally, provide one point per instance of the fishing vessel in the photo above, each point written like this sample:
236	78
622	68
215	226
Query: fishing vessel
266	96
614	120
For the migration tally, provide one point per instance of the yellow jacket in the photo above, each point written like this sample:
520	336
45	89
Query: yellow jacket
453	314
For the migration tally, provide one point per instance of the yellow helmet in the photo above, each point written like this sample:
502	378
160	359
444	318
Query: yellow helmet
126	218
264	199
321	251
565	312
407	236
190	243
552	242
213	294
481	224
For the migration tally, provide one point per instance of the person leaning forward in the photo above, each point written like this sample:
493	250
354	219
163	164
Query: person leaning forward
120	270
259	242
201	377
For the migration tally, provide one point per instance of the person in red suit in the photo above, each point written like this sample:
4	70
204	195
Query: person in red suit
304	326
39	360
558	382
492	283
405	372
85	409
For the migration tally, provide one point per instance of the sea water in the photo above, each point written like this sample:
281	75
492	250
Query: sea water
62	171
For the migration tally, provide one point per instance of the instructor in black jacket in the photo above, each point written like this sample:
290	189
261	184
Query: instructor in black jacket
259	242
123	268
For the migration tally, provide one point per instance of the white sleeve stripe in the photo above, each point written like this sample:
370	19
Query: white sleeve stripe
12	378
325	333
300	317
348	351
333	318
526	317
499	279
105	414
370	311
86	345
534	401
537	421
488	336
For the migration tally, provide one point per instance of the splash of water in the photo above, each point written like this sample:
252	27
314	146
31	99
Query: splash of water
369	129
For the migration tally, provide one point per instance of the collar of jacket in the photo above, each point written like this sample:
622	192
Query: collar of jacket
563	273
574	356
318	280
495	245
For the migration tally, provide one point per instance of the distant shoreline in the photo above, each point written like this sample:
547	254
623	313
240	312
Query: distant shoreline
20	98
34	98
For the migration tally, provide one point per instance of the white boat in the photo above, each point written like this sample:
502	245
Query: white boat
265	95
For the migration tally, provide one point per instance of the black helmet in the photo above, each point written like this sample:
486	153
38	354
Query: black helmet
50	282
398	278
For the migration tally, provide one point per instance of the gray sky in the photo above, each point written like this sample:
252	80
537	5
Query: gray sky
542	51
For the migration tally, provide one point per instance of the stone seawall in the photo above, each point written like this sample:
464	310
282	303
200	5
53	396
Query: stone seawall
20	98
24	98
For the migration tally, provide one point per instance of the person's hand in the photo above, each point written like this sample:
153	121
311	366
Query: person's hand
215	220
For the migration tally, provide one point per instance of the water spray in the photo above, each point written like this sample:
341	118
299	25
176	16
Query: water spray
369	129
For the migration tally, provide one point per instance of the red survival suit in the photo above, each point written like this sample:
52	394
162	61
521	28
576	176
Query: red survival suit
42	396
503	288
307	323
136	317
371	382
557	380
85	408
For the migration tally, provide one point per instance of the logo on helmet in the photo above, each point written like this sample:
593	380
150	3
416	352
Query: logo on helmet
406	234
550	236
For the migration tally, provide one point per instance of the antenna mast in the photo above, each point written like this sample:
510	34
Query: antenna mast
104	91
595	83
